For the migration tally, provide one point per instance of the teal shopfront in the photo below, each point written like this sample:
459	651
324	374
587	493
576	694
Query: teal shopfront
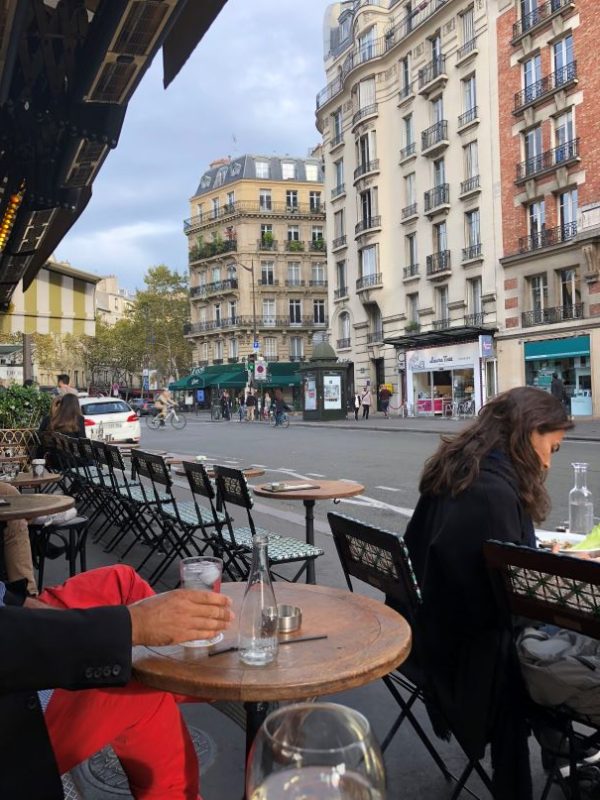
570	359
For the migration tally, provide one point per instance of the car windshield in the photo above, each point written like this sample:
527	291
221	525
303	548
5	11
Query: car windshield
113	407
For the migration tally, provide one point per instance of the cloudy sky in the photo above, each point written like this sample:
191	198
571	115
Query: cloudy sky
249	87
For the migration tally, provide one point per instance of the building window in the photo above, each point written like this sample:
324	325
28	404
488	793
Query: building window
366	200
410	188
412	308
288	170
532	144
536	214
231	272
314	200
474	301
411	249
204	351
366	45
437	110
365	149
564	136
291	199
472	229
268	311
295	312
366	93
270	346
440	237
368	261
441	302
296	347
471	160
337	120
294	273
469	93
293	233
267	273
409	130
570	290
312	172
220	176
567	211
340	273
217	313
199	212
218	350
233	310
468	25
338	167
538	287
339	228
262	169
202	314
405	75
532	74
215	207
216	274
317	233
230	200
318	274
264	200
563	59
233	348
439	172
266	233
319	312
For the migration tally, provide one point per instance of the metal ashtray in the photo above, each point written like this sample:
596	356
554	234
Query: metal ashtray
290	618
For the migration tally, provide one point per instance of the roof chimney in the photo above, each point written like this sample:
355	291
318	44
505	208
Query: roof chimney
219	162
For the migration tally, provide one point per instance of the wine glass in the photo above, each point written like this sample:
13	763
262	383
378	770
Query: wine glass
321	751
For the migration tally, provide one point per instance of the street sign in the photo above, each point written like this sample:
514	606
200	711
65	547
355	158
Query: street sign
256	345
146	382
260	371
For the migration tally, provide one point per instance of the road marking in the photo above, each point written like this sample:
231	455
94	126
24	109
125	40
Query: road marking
387	488
347	480
315	475
370	502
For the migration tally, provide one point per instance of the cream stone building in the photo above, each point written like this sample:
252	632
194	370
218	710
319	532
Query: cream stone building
257	258
408	117
112	302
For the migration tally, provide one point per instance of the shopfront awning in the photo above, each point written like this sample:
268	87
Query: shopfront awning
418	341
568	347
283	373
229	379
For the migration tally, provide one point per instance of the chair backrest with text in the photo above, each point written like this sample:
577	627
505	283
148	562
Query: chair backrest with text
232	487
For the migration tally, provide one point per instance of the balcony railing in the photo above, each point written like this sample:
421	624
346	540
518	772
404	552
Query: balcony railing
434	135
294	246
267	244
409	211
215	324
343	344
211	249
338	190
375	336
468	47
538	16
468	117
435	69
317	246
471	252
244	207
368	280
441	324
475	320
367	111
438	196
320	282
469	185
406	91
268	281
408	151
438	262
339	242
340	292
336	140
549	237
550	159
297	282
216	287
543	316
545	86
411	271
366	224
365	167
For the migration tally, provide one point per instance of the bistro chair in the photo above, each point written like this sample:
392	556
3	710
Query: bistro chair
68	538
560	590
380	559
232	489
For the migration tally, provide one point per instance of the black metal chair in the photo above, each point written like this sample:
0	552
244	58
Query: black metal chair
380	559
66	538
559	590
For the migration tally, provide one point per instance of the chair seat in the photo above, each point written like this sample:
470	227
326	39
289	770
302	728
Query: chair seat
135	493
189	514
279	548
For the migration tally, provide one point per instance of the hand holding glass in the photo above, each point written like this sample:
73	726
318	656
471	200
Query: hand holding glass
204	573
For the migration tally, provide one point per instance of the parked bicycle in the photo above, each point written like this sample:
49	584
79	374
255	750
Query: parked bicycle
177	420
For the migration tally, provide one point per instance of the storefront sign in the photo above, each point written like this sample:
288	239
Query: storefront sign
310	394
451	357
332	392
486	346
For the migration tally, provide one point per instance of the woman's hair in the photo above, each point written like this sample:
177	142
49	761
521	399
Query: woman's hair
55	405
67	416
506	424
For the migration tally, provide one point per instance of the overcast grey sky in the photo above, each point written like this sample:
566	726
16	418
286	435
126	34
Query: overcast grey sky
249	87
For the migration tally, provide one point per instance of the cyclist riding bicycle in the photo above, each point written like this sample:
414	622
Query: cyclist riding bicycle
163	403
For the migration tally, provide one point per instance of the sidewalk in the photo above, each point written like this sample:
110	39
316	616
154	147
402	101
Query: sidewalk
585	430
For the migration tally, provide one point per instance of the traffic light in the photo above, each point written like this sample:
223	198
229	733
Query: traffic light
251	362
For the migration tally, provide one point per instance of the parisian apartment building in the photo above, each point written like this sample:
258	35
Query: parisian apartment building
409	117
549	292
257	259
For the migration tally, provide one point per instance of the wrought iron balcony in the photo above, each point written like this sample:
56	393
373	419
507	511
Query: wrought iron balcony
245	207
375	336
438	263
468	117
294	246
267	244
340	292
268	281
544	316
466	49
470	185
549	160
339	242
319	282
428	75
211	249
317	245
294	282
367	281
366	167
343	344
367	224
406	91
336	140
436	197
216	287
548	237
435	137
546	86
471	252
215	324
338	190
362	113
409	211
475	320
411	271
408	151
538	16
441	324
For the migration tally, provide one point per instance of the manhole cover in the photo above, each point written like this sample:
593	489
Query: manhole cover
101	777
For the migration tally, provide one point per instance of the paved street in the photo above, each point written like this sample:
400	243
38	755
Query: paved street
388	463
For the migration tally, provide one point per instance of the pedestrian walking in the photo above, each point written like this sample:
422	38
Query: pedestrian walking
366	399
557	389
357	404
267	405
384	398
242	406
250	406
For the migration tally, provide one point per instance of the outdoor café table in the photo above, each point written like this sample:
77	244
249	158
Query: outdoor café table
365	640
29	506
27	480
321	490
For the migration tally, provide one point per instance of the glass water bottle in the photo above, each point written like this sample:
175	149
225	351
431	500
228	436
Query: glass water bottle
581	504
257	641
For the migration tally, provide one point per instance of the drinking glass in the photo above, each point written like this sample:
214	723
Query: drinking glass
205	573
321	751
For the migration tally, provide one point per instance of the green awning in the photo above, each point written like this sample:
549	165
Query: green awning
229	379
283	373
558	348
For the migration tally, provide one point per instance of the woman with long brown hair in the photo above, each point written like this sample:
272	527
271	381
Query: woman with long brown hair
68	418
487	482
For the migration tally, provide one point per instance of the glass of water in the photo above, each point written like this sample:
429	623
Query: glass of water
204	573
321	751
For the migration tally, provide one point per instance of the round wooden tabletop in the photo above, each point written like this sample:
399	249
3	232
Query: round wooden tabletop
27	480
320	490
249	472
365	640
28	506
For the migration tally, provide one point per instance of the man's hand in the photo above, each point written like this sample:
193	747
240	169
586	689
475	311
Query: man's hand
179	616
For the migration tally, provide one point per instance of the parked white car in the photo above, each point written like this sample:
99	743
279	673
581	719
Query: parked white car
110	416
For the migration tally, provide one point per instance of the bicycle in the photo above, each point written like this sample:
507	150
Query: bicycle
178	421
285	420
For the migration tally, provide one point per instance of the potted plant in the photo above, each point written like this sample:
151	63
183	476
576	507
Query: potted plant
295	246
21	411
412	327
267	240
